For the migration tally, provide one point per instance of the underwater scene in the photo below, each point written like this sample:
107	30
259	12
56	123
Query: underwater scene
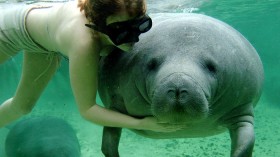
257	20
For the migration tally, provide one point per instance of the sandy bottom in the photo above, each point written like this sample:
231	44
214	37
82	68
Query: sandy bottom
131	145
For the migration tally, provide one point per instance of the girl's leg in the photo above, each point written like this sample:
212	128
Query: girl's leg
37	70
5	56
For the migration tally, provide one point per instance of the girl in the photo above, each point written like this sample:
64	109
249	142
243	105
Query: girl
80	31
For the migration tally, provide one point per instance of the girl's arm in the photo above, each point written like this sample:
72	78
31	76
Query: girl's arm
106	117
83	62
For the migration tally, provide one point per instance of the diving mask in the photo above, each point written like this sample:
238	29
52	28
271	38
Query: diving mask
125	31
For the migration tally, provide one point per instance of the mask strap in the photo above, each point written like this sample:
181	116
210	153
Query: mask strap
94	27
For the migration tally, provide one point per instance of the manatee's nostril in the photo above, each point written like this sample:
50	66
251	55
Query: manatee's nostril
183	95
171	93
183	91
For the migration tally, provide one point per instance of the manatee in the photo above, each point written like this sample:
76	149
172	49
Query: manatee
189	69
42	137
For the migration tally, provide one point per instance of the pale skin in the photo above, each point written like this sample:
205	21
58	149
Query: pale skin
69	36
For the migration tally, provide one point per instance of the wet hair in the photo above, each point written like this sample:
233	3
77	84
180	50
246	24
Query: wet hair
97	11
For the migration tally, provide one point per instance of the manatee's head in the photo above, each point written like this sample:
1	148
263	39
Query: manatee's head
178	98
181	67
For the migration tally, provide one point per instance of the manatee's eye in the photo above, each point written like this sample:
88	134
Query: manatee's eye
153	64
211	67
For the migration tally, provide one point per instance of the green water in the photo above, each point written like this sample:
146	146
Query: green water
257	20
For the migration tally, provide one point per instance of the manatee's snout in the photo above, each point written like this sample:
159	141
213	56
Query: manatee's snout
179	98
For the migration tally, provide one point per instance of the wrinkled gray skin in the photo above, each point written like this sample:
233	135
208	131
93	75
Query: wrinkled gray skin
42	137
188	69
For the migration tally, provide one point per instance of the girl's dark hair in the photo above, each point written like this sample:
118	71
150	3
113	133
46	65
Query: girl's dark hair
97	11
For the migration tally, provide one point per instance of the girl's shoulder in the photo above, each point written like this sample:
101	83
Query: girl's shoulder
70	27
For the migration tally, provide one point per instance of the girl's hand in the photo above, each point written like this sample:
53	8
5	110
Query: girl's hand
151	123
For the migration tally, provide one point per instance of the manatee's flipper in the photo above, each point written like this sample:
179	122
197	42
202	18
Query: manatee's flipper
110	141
